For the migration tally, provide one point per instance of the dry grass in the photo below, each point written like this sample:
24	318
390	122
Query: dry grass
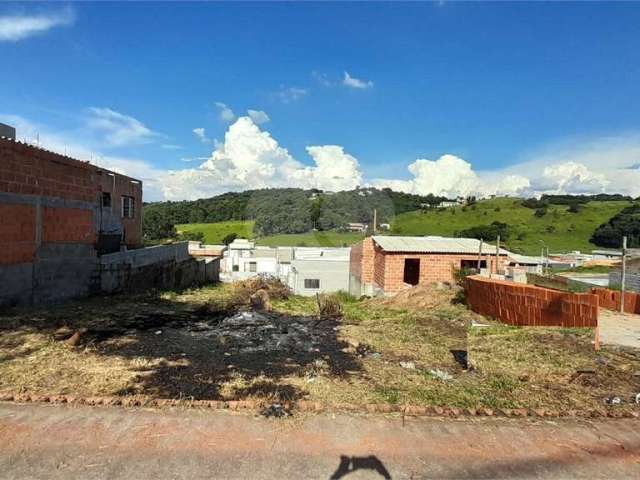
121	353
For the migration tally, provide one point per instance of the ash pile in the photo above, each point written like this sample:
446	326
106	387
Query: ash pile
252	331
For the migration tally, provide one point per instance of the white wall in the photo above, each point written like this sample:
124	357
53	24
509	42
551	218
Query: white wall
333	275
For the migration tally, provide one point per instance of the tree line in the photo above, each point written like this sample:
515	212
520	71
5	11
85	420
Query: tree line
284	210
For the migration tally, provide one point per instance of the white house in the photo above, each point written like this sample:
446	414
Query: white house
306	270
357	227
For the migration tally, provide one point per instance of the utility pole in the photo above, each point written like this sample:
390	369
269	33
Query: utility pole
497	253
624	272
375	220
480	257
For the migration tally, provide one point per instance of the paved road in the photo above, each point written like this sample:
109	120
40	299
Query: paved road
619	328
57	442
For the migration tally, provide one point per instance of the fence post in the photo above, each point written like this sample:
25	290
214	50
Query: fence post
480	256
624	272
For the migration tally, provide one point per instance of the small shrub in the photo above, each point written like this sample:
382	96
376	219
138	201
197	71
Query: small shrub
345	297
497	209
540	212
575	208
191	236
329	305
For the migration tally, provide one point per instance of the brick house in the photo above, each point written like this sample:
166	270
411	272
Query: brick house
387	264
56	215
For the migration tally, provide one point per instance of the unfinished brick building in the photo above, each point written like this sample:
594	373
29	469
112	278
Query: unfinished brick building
56	215
387	264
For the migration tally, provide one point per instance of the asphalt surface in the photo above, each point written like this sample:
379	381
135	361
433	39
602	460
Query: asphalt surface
65	442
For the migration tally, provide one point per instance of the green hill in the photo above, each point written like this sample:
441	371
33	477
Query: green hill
560	229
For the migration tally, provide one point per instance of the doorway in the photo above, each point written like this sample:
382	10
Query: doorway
412	271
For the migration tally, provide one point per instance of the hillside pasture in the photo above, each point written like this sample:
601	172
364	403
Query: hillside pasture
559	229
215	232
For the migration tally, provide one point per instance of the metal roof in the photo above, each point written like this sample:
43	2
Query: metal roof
432	244
529	260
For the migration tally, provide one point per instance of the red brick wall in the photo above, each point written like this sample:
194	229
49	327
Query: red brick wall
380	270
610	299
27	170
67	225
361	260
17	233
517	304
31	171
434	267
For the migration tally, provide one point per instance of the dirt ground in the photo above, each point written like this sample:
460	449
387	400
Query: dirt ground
621	329
209	344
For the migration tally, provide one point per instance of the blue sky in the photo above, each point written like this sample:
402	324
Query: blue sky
484	94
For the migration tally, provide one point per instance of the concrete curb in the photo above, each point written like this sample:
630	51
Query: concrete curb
317	407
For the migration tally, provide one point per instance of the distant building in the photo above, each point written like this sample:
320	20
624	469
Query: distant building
448	204
357	227
306	270
385	226
319	270
606	254
7	132
387	264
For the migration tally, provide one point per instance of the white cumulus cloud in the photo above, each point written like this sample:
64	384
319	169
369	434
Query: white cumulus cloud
18	27
258	116
570	177
251	158
353	82
119	129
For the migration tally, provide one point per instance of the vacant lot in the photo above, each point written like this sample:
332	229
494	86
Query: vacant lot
208	344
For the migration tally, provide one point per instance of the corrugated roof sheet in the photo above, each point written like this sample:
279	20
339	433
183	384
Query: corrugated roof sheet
432	244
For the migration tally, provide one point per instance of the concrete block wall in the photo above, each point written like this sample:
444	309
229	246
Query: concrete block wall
632	280
610	299
162	266
528	305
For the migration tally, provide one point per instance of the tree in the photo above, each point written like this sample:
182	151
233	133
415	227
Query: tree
486	232
229	238
574	208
